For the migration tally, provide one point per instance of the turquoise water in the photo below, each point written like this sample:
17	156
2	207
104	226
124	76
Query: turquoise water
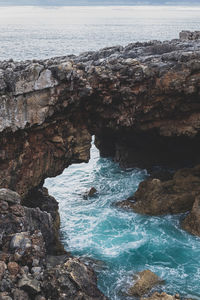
122	242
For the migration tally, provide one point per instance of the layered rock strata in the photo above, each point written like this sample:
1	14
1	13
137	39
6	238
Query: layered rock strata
140	101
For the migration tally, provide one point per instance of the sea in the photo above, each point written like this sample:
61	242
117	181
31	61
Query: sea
116	242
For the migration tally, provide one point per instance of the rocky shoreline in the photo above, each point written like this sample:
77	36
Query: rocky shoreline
142	104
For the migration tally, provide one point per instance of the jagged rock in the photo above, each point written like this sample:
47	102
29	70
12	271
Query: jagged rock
72	280
146	280
20	241
3	267
18	219
30	285
20	295
90	193
13	268
140	101
192	221
162	296
189	35
9	196
177	195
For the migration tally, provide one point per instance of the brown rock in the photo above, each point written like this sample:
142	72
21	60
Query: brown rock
90	193
162	296
2	269
145	282
192	222
20	295
13	268
155	197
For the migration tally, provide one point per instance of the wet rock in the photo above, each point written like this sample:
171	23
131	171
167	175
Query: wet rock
73	280
192	221
145	282
155	197
162	296
92	192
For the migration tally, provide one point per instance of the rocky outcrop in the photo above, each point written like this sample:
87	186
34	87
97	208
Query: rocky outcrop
140	101
146	280
156	197
26	271
162	296
192	221
189	35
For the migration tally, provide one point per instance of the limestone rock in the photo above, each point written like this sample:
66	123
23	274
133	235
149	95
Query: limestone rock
145	282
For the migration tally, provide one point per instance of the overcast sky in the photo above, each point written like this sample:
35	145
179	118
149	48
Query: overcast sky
95	2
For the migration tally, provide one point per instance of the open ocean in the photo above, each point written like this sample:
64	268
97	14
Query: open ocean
118	242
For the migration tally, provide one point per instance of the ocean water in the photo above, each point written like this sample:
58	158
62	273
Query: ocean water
40	32
117	242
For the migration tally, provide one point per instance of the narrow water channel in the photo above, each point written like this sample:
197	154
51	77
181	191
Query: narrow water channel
120	242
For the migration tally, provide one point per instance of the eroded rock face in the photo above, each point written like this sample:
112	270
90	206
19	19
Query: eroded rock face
192	222
141	102
26	271
177	195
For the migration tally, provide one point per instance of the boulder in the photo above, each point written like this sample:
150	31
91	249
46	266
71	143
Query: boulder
156	197
92	192
145	281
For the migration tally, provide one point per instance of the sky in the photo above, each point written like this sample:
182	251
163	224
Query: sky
97	2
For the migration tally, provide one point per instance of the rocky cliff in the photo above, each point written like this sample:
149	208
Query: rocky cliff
140	101
142	104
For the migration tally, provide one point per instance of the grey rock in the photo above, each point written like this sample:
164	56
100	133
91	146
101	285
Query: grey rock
20	241
9	196
30	285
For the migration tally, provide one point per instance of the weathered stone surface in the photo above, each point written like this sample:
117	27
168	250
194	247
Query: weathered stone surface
31	285
177	195
140	101
146	280
9	196
192	222
73	280
13	268
162	296
189	35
